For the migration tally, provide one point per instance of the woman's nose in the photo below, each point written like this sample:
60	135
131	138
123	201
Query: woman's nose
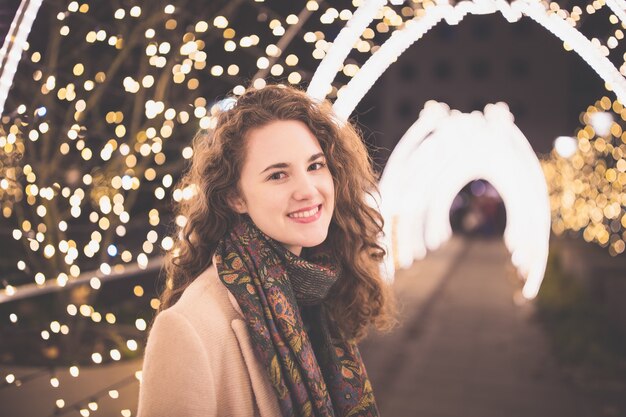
304	187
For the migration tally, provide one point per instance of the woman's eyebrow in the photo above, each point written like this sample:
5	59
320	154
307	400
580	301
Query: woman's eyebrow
286	165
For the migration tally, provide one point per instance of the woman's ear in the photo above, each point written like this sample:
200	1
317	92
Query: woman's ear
237	203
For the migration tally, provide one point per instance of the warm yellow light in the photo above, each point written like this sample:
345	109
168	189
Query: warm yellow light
294	78
229	33
138	290
155	303
79	69
291	60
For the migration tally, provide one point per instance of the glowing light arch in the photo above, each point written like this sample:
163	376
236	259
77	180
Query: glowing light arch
13	45
479	146
400	40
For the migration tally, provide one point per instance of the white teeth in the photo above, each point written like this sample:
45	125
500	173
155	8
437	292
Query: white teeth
302	214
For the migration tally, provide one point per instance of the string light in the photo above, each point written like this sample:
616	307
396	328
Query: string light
14	44
412	30
587	186
129	159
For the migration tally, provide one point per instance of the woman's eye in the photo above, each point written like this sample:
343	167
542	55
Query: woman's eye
317	165
277	176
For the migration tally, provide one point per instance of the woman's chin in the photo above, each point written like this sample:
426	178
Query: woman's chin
314	241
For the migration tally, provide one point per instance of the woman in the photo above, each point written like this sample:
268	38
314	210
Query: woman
275	274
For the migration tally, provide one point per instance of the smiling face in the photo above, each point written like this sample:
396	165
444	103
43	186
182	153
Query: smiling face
285	185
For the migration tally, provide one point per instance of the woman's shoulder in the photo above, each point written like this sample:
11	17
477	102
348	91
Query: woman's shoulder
206	301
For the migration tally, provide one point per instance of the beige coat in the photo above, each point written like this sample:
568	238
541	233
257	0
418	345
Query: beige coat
199	359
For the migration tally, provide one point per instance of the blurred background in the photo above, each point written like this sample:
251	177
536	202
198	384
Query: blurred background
96	130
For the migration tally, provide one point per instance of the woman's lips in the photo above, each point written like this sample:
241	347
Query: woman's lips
306	216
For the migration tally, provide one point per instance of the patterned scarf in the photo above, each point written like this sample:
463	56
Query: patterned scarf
281	296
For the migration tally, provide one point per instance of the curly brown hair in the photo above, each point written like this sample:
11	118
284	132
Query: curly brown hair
361	297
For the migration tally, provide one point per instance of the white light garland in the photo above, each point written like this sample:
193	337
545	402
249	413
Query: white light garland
578	42
619	8
446	150
321	83
13	45
353	92
400	40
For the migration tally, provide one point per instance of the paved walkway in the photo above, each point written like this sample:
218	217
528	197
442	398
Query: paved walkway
465	349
